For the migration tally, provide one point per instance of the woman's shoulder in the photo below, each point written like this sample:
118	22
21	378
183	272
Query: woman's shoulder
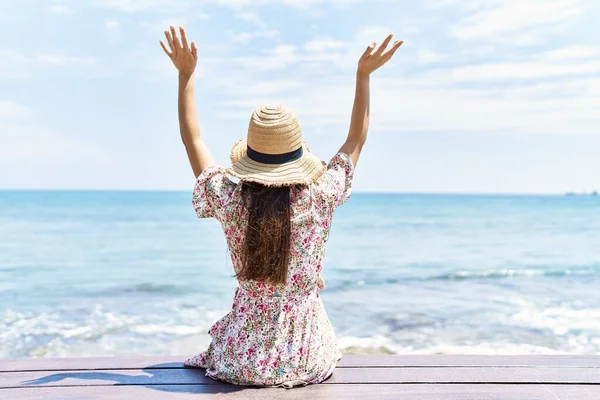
334	187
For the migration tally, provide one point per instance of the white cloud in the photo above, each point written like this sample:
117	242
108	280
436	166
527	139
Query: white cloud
17	65
292	3
256	88
401	106
10	110
48	156
246	37
573	52
60	60
240	37
367	34
279	58
517	21
132	6
13	64
320	45
111	24
162	25
25	143
425	56
431	100
59	8
520	70
251	17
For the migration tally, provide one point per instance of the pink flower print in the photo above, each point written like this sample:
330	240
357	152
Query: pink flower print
287	308
229	341
301	352
242	309
294	253
262	365
251	352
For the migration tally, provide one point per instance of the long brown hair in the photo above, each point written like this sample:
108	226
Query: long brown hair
266	249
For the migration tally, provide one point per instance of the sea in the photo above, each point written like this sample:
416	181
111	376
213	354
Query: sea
90	273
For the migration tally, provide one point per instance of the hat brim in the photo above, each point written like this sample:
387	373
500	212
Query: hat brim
303	171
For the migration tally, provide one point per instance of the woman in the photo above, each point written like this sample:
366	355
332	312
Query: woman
276	221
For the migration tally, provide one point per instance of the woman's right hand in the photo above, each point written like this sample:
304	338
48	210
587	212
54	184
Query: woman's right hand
184	56
371	61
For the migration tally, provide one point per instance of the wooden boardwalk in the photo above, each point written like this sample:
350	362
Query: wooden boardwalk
443	377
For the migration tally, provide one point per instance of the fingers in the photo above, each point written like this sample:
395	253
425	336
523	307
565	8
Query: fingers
167	52
194	50
384	44
175	39
184	41
170	42
395	47
369	50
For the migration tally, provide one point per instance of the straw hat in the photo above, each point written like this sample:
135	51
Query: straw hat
274	153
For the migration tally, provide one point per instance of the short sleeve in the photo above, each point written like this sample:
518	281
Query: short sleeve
212	193
335	186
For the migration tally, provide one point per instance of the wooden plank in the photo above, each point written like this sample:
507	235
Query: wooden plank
548	375
574	392
450	360
349	361
91	363
341	376
317	392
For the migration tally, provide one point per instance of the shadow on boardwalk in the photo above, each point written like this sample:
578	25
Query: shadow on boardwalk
181	380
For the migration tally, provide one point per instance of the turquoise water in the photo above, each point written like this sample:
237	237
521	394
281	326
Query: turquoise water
97	273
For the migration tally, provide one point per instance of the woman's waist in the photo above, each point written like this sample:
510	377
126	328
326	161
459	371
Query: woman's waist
277	295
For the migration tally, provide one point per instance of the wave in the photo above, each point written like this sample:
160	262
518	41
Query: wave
147	287
382	345
87	330
560	320
464	275
534	329
508	273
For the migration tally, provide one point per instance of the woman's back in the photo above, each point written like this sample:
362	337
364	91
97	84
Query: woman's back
311	208
276	334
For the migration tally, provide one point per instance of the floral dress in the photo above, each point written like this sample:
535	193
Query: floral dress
275	335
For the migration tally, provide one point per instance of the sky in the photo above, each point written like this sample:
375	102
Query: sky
485	96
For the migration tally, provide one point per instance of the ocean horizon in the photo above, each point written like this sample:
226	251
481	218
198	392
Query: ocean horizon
591	193
121	272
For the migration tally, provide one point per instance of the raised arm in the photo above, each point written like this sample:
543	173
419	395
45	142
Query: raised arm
359	123
184	58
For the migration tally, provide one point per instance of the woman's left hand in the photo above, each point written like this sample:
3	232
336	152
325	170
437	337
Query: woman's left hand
184	56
